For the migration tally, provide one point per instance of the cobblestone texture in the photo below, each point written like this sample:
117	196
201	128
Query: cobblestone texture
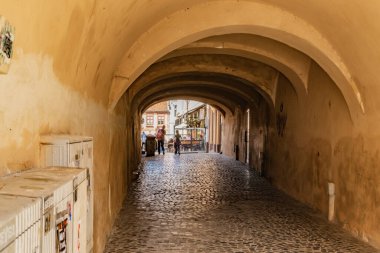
210	203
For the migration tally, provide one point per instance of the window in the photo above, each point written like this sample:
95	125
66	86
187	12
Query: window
161	119
202	113
149	120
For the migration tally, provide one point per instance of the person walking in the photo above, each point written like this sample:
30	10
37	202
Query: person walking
161	139
143	141
177	143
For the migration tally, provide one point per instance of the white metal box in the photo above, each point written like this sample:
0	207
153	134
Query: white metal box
64	150
20	224
79	192
57	202
72	151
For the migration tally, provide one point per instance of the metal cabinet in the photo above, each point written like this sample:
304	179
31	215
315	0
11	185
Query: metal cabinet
58	196
20	224
72	151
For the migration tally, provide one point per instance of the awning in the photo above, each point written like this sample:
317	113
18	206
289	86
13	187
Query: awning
182	125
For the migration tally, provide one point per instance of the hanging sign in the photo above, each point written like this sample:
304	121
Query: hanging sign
6	44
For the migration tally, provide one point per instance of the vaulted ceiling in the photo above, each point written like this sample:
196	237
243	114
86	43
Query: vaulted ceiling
102	48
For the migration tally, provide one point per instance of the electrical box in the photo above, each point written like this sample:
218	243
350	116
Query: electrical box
79	208
20	224
56	191
72	151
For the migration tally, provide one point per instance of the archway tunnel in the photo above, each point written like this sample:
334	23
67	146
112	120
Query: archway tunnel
299	117
306	87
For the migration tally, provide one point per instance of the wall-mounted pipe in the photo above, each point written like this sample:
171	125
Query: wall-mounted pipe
331	192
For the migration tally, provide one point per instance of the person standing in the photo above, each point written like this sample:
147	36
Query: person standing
177	143
143	140
161	139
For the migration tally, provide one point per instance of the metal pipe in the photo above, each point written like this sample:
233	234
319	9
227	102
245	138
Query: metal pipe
331	192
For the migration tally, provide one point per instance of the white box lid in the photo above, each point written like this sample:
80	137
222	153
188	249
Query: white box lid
63	139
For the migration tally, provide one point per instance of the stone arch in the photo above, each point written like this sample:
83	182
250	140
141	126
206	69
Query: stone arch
228	17
220	107
243	73
290	62
224	84
227	106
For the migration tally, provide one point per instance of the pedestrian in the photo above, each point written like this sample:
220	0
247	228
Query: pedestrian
177	143
161	139
143	140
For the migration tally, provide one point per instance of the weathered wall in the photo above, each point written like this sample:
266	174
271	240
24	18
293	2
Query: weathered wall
310	143
233	134
34	102
230	133
58	84
66	54
319	144
258	133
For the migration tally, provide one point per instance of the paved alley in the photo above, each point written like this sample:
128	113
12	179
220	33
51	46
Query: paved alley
210	203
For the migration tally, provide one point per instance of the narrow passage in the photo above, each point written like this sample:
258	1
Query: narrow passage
211	203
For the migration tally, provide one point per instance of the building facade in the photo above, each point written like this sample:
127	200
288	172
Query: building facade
195	117
214	128
155	117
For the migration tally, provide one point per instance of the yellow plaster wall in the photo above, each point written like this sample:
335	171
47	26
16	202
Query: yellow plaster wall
67	53
33	102
58	84
320	145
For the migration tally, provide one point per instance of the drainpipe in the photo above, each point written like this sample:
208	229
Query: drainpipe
331	192
237	152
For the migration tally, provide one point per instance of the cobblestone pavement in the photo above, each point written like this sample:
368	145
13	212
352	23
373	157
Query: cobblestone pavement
210	203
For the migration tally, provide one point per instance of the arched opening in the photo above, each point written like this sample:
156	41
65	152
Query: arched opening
307	71
190	126
230	84
263	99
297	34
